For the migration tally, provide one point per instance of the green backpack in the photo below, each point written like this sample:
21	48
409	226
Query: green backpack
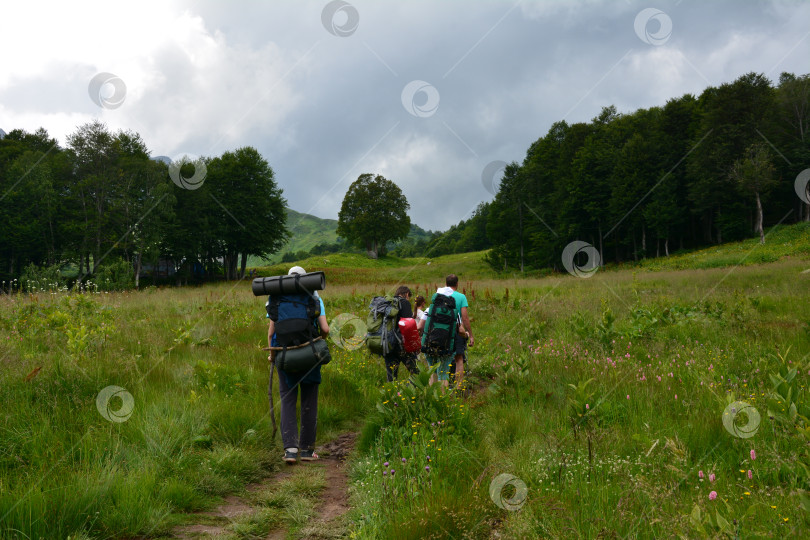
439	337
383	334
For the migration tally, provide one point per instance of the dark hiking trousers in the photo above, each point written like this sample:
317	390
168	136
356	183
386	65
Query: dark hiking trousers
392	361
309	414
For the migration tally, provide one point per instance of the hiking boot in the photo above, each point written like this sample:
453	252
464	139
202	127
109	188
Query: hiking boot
290	457
309	455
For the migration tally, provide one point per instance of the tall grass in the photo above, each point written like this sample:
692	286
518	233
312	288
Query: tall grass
595	461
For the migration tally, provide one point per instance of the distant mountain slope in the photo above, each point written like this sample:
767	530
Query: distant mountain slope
308	231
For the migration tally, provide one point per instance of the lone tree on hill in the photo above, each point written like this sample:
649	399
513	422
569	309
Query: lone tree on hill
374	211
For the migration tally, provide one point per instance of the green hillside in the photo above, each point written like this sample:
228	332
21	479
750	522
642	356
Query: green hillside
308	231
782	242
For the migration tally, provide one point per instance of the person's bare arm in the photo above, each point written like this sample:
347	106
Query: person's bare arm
466	320
324	326
271	329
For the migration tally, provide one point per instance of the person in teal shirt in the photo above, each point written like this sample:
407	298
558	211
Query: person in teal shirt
464	332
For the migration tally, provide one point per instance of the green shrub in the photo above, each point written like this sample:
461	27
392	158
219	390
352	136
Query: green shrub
115	275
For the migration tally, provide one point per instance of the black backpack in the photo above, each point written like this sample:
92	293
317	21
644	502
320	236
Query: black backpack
440	336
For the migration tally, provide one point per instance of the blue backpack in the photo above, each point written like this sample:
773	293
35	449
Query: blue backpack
295	316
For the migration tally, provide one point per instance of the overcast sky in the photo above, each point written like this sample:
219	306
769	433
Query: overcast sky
327	91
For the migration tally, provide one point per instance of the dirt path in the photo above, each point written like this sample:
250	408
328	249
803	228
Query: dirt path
333	500
336	495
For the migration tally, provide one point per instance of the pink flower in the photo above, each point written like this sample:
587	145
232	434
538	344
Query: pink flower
700	474
676	396
712	495
587	406
750	474
628	396
753	455
711	477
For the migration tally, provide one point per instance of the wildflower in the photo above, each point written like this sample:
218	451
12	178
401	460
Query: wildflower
385	464
392	472
700	474
711	477
628	396
753	454
712	495
587	406
750	474
404	460
427	468
385	473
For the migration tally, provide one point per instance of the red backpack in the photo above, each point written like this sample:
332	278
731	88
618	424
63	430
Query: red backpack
410	335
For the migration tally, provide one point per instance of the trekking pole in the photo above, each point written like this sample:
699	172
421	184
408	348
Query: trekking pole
272	407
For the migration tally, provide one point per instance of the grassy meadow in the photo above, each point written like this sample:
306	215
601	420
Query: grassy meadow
593	407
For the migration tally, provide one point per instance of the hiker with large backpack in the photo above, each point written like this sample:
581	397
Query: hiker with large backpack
386	313
297	337
464	335
446	330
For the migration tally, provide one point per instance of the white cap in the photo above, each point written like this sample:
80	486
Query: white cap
296	270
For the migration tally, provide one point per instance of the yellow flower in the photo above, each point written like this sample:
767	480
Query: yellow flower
785	519
747	493
773	507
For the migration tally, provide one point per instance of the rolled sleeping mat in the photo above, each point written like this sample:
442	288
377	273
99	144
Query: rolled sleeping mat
292	284
304	358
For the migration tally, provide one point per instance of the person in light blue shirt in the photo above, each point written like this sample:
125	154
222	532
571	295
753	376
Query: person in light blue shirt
296	448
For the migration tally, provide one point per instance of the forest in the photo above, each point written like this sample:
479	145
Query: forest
684	175
695	172
105	208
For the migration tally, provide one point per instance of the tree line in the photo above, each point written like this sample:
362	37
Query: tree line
697	171
102	201
694	172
